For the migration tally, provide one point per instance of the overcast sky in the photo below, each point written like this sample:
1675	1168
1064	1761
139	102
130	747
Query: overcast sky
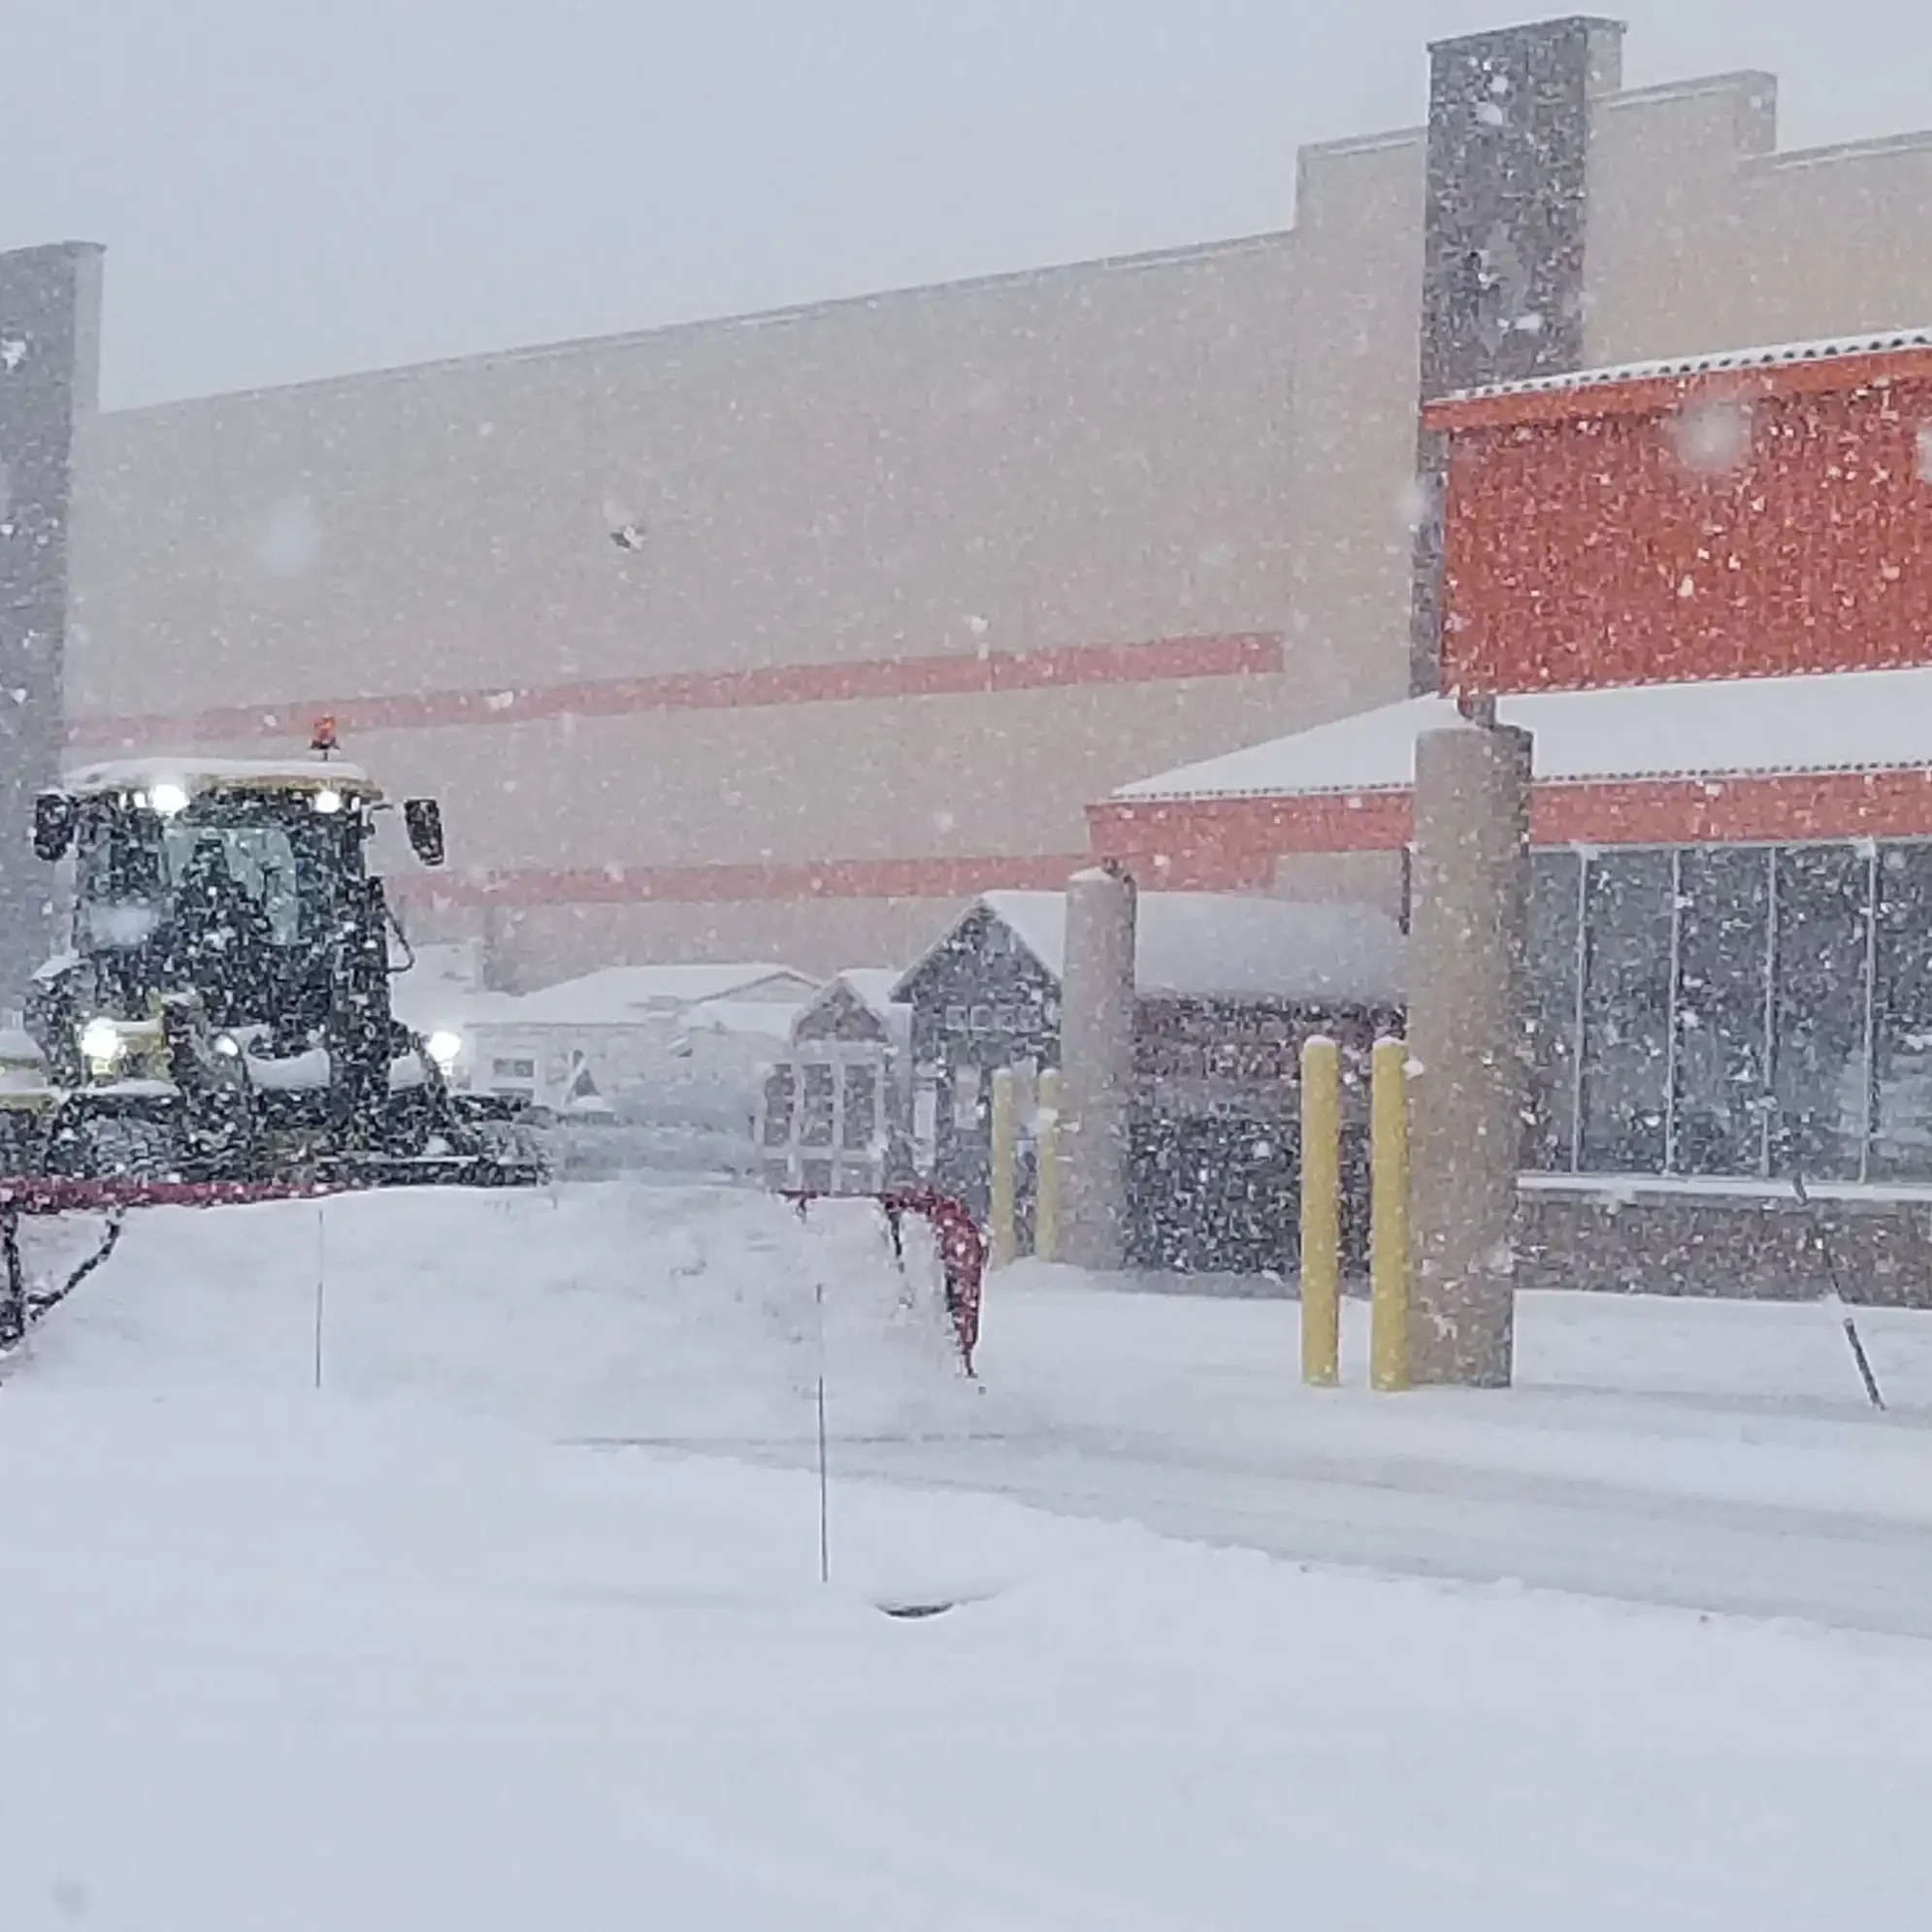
298	189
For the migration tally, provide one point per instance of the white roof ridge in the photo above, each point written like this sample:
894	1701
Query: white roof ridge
1711	362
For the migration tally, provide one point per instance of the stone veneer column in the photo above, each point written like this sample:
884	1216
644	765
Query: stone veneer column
50	347
1466	1075
1096	1010
1504	220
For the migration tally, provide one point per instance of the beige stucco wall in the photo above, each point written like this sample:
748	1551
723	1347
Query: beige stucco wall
1072	457
1107	453
1703	236
1212	440
1353	323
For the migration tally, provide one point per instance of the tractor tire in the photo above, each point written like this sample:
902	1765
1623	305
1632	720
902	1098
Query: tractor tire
104	1146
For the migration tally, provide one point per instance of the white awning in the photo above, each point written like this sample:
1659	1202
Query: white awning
1836	721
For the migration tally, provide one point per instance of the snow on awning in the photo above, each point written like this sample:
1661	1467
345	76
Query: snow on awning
1834	722
1831	362
1201	945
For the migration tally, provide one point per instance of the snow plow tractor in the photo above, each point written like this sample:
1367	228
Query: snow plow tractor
224	1013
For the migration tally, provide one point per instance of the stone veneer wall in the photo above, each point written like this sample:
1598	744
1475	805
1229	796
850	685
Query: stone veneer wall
1743	1247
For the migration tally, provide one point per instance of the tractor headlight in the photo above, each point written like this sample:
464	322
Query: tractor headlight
169	799
328	800
101	1043
442	1046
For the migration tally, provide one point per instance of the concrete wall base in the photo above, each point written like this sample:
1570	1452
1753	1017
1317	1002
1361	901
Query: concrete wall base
1723	1246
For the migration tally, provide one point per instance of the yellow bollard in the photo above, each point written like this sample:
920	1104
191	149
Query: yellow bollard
1003	1243
1389	1217
1321	1212
1046	1166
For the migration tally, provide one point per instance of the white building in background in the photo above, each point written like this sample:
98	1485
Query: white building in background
650	1036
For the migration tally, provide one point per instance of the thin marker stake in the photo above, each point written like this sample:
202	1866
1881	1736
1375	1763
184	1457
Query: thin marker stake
1837	1295
321	1257
823	1480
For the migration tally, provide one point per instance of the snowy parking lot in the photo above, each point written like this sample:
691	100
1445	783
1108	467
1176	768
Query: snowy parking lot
429	1648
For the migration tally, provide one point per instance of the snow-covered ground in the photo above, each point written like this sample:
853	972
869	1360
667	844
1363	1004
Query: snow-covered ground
1711	1455
422	1649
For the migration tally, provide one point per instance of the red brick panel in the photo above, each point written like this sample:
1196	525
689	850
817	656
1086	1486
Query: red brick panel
1792	806
1727	528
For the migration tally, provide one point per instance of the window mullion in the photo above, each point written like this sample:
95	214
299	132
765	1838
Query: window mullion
1770	1048
1670	1011
1582	969
1868	1125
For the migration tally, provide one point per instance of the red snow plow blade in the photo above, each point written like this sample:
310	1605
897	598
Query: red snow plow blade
955	1234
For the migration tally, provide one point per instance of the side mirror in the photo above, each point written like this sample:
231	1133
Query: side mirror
55	813
424	819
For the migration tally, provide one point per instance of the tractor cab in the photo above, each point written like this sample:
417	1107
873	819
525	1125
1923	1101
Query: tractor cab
224	1007
236	887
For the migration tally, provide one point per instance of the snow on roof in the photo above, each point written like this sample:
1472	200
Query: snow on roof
444	988
1039	918
628	996
17	1049
872	986
769	1019
1234	946
1834	721
1368	751
204	774
1768	356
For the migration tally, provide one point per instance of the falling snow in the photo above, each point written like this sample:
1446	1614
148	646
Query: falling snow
717	871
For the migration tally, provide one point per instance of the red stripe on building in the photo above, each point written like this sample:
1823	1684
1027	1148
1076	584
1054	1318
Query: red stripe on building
1234	655
1207	843
837	879
1233	843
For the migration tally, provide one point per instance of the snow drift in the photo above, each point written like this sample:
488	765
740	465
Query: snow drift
683	1316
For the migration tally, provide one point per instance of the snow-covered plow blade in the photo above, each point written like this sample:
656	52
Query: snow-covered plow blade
655	1299
22	1303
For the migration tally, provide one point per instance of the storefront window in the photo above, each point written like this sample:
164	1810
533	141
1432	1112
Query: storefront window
1819	1075
1902	1035
1724	902
1731	1010
1627	901
1550	1019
